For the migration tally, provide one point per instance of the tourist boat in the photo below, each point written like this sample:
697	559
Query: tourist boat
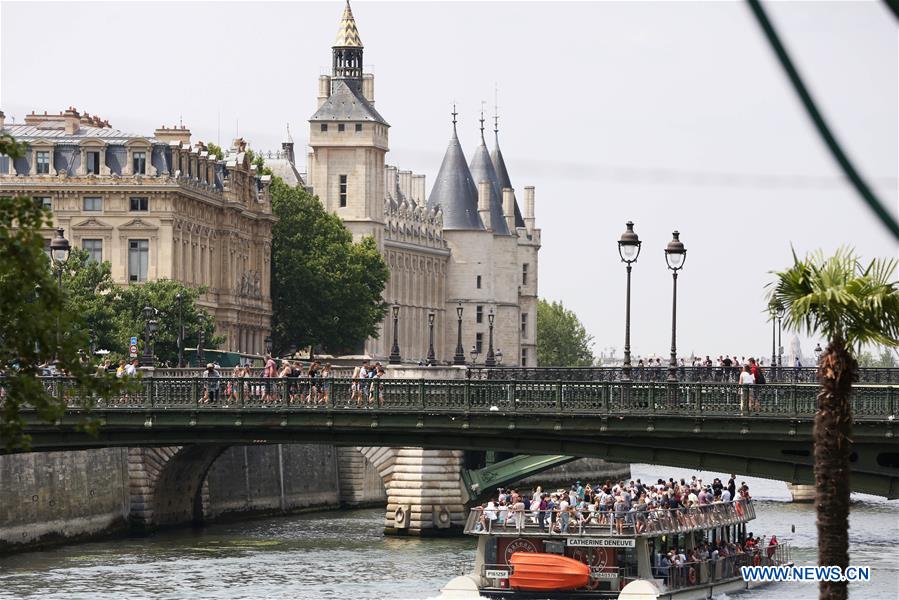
600	559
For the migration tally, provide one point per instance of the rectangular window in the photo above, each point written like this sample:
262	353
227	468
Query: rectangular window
139	204
524	357
138	259
94	249
43	163
44	202
478	314
93	204
524	274
479	342
139	163
358	127
343	190
524	324
478	282
93	163
324	127
341	127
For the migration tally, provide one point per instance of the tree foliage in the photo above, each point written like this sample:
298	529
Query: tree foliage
326	290
36	328
562	341
113	314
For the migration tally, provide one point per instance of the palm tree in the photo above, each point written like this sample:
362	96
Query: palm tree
852	305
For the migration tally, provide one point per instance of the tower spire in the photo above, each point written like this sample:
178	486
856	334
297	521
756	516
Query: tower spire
482	120
496	110
455	114
347	49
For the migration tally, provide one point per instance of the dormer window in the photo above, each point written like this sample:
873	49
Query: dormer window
341	127
42	163
139	162
324	127
93	163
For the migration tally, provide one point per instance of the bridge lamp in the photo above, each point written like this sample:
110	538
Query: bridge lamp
675	256
772	308
59	254
150	328
629	249
180	298
432	359
395	358
459	356
490	360
268	345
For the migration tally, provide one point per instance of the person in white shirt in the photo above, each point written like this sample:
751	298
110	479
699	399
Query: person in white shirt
746	380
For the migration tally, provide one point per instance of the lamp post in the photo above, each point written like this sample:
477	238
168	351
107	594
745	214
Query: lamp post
395	358
773	310
780	311
147	359
432	360
180	298
490	360
629	250
59	254
201	354
459	357
675	256
268	345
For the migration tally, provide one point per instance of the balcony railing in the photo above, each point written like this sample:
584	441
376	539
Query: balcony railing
605	523
469	397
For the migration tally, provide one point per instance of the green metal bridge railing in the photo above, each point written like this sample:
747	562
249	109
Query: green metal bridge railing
471	396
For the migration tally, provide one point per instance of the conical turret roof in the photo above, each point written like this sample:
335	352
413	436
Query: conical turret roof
454	191
348	34
502	175
482	170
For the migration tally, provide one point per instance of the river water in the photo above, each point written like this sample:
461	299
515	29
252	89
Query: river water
344	555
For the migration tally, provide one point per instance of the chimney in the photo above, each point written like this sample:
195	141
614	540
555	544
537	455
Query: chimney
484	204
509	208
71	119
406	184
173	134
418	189
529	220
368	87
324	89
392	182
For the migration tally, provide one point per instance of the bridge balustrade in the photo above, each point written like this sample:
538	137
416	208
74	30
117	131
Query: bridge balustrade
461	396
653	373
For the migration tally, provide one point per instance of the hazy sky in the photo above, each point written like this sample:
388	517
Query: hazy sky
671	114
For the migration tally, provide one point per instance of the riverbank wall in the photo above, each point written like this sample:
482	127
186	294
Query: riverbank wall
48	498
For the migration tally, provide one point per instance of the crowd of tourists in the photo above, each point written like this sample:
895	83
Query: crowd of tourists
634	506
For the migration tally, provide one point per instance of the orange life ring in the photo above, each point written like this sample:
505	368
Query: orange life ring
738	506
757	559
691	575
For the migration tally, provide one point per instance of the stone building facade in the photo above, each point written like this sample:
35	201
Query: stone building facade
465	243
155	207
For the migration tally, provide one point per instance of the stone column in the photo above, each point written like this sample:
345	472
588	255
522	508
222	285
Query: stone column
801	492
424	494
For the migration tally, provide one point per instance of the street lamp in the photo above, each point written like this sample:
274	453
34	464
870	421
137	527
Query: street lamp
780	312
201	354
675	256
59	254
394	358
459	357
772	308
432	360
490	361
150	327
180	298
629	250
268	345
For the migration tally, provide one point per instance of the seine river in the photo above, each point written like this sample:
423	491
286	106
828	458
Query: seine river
343	555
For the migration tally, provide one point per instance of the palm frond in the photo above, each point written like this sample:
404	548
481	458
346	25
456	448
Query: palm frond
840	298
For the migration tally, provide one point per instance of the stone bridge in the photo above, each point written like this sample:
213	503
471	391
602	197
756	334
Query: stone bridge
414	434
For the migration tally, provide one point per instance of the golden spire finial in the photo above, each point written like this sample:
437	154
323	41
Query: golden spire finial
348	34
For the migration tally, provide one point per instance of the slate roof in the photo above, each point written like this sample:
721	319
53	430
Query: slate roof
454	191
502	175
286	170
482	170
56	132
346	103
